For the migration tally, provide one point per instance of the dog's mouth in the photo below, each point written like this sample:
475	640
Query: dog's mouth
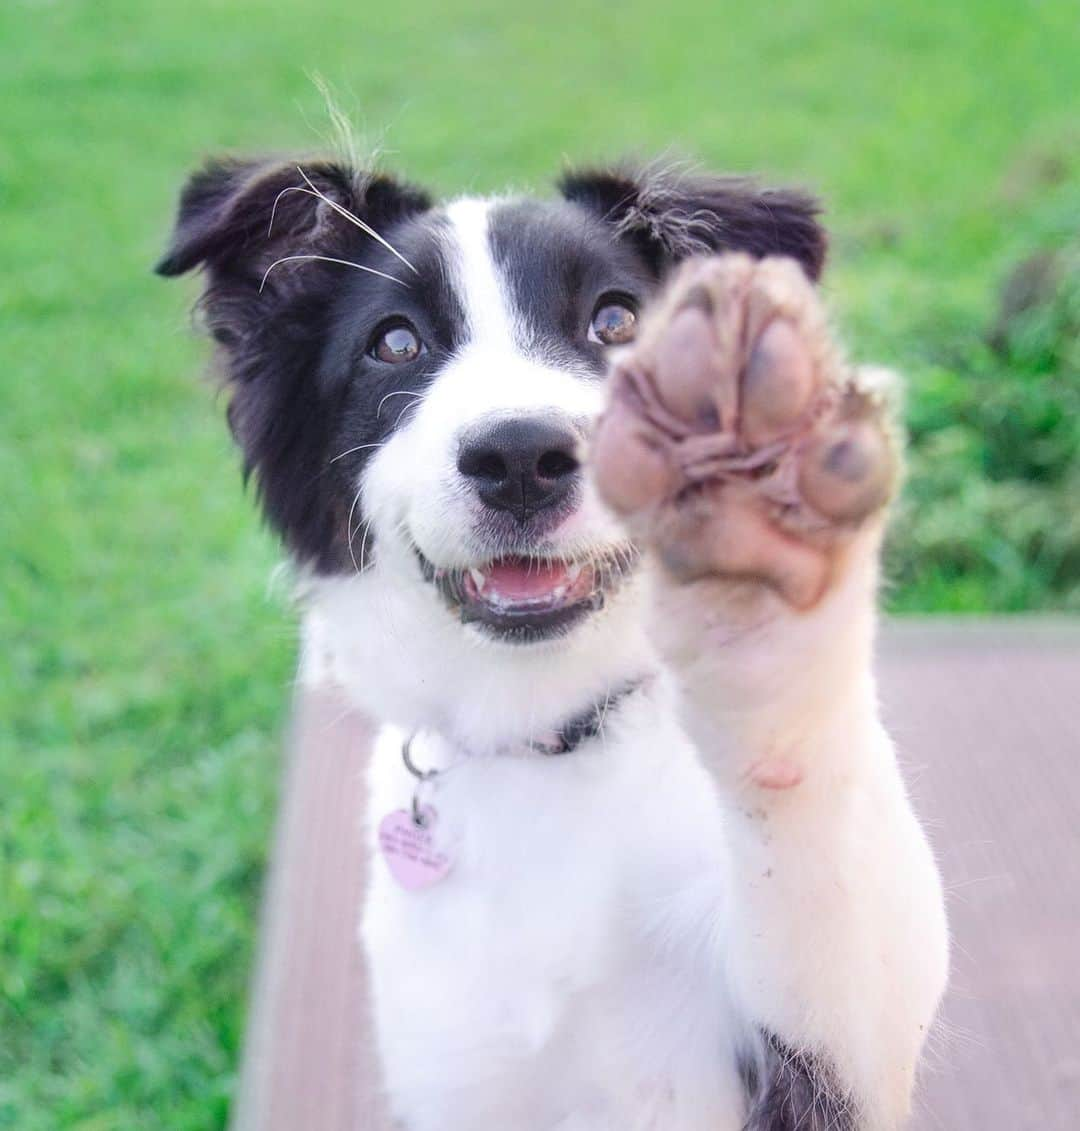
527	598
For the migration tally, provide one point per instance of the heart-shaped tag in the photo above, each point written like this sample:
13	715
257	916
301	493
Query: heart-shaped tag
409	849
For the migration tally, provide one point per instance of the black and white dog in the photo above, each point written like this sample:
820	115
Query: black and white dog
589	505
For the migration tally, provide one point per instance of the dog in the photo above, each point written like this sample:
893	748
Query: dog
587	503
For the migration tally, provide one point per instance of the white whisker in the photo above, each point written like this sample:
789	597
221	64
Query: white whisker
408	408
330	259
399	393
305	191
349	529
363	543
353	219
284	191
358	448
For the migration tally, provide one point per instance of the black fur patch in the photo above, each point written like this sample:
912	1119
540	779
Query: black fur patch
292	341
788	1090
672	215
558	262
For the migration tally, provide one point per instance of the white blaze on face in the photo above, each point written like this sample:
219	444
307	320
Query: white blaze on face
485	297
494	370
413	484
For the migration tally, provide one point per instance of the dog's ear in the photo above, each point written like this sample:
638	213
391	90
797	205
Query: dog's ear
234	213
237	219
670	215
258	229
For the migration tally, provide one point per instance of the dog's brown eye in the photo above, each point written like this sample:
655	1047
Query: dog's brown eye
613	324
396	344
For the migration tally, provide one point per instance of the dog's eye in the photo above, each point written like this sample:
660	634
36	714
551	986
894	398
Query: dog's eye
396	344
614	322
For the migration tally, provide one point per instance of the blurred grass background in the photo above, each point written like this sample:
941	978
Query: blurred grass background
146	664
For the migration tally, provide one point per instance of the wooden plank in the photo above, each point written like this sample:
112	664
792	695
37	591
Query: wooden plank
988	718
308	1062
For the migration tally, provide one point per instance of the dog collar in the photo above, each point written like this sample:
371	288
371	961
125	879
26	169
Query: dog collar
407	837
558	741
567	738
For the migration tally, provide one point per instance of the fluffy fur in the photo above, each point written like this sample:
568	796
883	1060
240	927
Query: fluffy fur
639	934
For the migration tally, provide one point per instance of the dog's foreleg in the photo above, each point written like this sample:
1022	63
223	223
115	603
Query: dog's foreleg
835	937
756	466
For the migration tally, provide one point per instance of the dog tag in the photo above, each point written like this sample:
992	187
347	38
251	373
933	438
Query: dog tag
409	849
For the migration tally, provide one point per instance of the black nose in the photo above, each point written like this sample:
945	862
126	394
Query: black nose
520	466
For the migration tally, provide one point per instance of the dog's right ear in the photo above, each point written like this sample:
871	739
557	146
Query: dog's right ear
262	232
236	214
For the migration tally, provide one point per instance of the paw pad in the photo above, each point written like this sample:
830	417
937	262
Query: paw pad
735	440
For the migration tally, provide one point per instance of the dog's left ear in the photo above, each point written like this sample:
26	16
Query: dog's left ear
671	215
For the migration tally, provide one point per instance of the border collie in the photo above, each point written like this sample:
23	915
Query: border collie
589	506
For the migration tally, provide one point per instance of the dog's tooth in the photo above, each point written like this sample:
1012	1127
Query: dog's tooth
479	579
559	592
574	572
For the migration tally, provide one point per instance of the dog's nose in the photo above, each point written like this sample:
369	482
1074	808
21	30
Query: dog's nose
521	466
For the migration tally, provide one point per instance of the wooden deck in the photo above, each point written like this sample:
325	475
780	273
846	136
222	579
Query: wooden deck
988	718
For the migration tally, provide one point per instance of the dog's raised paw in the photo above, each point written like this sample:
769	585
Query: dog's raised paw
736	442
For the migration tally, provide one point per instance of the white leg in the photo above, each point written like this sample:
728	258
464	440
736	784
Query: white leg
740	447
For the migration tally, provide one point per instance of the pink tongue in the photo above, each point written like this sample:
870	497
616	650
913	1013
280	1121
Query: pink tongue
517	580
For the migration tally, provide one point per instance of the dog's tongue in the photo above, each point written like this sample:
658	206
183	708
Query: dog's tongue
515	579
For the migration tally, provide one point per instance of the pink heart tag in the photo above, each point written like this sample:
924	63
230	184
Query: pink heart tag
409	850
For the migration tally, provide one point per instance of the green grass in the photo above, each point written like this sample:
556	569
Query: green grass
146	667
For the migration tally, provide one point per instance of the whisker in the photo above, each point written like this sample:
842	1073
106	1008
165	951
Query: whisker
410	407
349	529
363	543
330	259
284	191
353	219
358	448
399	393
303	189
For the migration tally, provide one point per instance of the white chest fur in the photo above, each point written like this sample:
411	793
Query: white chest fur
553	978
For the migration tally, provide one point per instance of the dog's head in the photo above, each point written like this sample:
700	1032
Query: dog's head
411	384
